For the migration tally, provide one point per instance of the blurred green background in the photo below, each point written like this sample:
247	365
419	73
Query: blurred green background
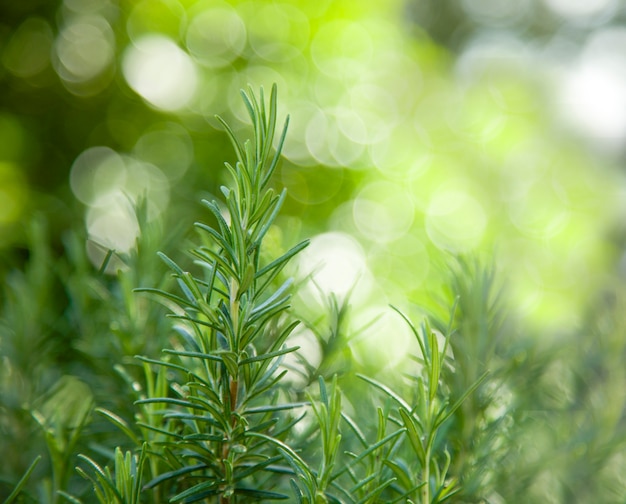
416	127
420	130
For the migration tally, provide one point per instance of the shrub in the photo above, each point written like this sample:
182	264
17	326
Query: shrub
207	410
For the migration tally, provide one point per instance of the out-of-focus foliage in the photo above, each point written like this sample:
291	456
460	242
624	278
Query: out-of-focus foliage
393	141
419	130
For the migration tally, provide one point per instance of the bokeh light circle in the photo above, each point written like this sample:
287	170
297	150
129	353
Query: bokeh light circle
592	95
95	173
111	185
160	72
383	211
167	146
455	220
288	26
85	50
27	52
338	263
113	226
216	35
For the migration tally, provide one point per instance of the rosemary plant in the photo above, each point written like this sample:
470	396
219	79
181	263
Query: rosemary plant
211	428
216	422
421	467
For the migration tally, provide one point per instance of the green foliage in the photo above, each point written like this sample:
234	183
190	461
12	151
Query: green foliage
216	419
63	414
20	484
122	486
232	338
220	404
423	423
408	143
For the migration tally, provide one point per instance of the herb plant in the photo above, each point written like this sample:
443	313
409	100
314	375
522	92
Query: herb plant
216	421
205	410
222	408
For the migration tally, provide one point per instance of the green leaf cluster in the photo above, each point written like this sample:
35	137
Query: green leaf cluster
209	411
218	424
232	332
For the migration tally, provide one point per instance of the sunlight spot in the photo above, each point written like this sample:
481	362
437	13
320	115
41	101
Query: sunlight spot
144	180
113	226
96	172
338	263
593	95
85	49
161	72
111	185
